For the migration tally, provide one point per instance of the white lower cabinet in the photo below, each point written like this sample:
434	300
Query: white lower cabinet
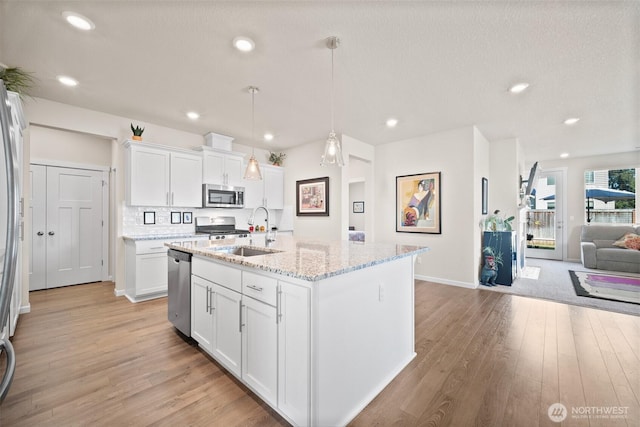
201	314
227	336
262	334
260	348
294	347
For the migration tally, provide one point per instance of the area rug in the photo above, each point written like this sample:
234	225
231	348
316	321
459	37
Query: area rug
612	287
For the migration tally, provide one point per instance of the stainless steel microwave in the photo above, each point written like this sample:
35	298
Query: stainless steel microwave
222	196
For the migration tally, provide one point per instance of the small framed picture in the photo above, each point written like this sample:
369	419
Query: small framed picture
187	218
149	217
358	207
176	217
485	196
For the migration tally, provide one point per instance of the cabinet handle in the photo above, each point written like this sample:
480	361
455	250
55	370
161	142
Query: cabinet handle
157	247
255	288
172	198
167	198
208	301
51	233
241	325
279	305
40	233
211	307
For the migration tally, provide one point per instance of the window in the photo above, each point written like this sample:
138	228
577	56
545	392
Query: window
610	196
588	177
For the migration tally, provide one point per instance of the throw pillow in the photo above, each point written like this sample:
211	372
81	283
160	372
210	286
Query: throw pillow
629	241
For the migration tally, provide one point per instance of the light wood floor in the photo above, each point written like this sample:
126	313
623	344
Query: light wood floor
85	357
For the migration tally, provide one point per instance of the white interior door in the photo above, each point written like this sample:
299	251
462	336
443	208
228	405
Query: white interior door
38	215
545	221
74	226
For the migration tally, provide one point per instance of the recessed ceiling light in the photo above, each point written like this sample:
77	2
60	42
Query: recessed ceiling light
68	81
391	123
268	137
78	21
519	87
244	44
193	115
572	121
564	155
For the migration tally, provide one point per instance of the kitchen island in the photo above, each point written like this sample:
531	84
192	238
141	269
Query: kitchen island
315	328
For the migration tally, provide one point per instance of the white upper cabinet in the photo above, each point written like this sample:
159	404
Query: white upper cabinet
224	168
158	176
269	192
186	180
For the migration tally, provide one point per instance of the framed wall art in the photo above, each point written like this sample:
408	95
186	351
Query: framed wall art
418	203
358	207
312	197
187	218
485	196
176	217
149	217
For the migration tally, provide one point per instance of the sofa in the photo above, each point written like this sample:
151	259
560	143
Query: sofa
604	247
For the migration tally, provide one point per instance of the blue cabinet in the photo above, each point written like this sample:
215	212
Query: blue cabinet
503	246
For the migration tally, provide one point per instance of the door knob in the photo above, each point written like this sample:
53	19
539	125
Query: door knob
51	233
40	233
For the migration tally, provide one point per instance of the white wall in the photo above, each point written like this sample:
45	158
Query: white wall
575	208
74	147
303	162
458	155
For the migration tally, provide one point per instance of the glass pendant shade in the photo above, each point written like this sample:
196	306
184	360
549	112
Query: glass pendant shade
253	167
332	151
332	148
253	170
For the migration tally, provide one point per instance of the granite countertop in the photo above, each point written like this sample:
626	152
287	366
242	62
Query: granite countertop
310	260
136	237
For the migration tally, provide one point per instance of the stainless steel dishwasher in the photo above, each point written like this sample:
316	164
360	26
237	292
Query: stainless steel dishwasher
179	293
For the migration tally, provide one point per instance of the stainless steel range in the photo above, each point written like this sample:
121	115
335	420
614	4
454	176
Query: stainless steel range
220	227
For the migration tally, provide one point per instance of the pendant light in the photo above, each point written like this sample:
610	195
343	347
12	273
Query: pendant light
253	167
332	148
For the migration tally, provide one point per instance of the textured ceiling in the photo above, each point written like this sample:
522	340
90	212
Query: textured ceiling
433	65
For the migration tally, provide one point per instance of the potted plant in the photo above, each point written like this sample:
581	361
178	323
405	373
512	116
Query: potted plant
17	80
137	132
276	158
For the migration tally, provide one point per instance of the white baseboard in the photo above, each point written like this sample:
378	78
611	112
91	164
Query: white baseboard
25	309
447	281
118	292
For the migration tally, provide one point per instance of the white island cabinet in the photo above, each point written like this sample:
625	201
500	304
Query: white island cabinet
316	330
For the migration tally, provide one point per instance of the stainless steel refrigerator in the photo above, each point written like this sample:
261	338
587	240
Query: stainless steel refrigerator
9	232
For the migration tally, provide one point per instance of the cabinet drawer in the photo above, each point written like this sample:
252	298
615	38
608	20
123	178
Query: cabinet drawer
150	246
259	287
228	277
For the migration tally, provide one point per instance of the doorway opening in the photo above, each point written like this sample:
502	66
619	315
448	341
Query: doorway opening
545	220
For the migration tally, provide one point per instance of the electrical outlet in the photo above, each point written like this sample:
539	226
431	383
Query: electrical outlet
380	292
419	260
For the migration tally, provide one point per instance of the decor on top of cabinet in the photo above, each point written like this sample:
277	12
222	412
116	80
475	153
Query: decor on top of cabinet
137	132
17	80
276	159
418	203
497	222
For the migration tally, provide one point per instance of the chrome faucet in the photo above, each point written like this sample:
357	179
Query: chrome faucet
267	237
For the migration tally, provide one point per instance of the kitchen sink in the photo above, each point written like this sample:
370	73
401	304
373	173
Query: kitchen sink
246	251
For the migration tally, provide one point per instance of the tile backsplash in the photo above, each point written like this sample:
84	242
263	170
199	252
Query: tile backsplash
133	221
